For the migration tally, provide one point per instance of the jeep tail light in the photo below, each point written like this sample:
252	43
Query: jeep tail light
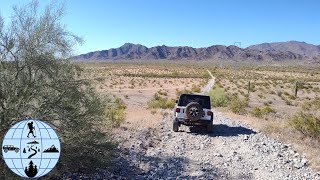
178	110
209	113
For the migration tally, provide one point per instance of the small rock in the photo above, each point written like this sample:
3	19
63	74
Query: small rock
246	137
201	146
304	161
217	155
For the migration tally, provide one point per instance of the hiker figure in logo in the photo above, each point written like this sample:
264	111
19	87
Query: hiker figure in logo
31	129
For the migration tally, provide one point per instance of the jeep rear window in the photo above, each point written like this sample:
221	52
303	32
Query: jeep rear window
204	101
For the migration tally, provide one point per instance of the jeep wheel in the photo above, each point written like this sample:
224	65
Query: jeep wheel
175	126
194	111
209	128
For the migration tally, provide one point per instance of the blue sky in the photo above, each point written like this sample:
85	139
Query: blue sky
107	24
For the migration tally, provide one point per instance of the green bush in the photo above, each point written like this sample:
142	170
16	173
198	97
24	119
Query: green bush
307	123
257	112
160	102
37	80
268	110
237	105
115	112
218	97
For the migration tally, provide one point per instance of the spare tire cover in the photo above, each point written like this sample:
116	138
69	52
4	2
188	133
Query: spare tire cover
194	111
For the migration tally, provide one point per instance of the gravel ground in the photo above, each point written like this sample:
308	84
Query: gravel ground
232	151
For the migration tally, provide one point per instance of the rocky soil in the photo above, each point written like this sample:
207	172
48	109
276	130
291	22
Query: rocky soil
232	151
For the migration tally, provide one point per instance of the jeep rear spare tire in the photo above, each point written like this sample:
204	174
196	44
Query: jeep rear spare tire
194	111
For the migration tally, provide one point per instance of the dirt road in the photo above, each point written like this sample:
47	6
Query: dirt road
209	85
232	151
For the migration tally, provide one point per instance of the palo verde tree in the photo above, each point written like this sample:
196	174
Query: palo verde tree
37	80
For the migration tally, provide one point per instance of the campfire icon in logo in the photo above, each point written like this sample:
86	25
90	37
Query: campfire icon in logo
31	148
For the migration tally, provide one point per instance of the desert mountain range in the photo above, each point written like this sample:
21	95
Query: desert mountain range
278	51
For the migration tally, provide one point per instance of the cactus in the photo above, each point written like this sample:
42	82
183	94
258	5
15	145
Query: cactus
296	89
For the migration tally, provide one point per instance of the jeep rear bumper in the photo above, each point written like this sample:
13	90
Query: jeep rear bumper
187	122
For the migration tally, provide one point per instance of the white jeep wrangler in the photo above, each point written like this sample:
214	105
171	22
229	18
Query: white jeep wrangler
193	110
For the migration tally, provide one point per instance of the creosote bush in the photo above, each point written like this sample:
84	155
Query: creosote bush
257	112
218	97
307	123
160	101
238	105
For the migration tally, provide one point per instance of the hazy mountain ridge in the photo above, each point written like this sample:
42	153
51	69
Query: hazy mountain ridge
291	50
296	47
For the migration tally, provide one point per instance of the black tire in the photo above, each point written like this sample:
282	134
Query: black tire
194	111
175	126
209	128
5	150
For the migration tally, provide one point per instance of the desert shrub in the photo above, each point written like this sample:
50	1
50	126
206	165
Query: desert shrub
258	112
288	102
162	92
292	97
311	105
184	91
307	123
158	101
267	110
252	88
37	81
242	92
286	93
195	88
115	112
163	103
238	105
218	97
